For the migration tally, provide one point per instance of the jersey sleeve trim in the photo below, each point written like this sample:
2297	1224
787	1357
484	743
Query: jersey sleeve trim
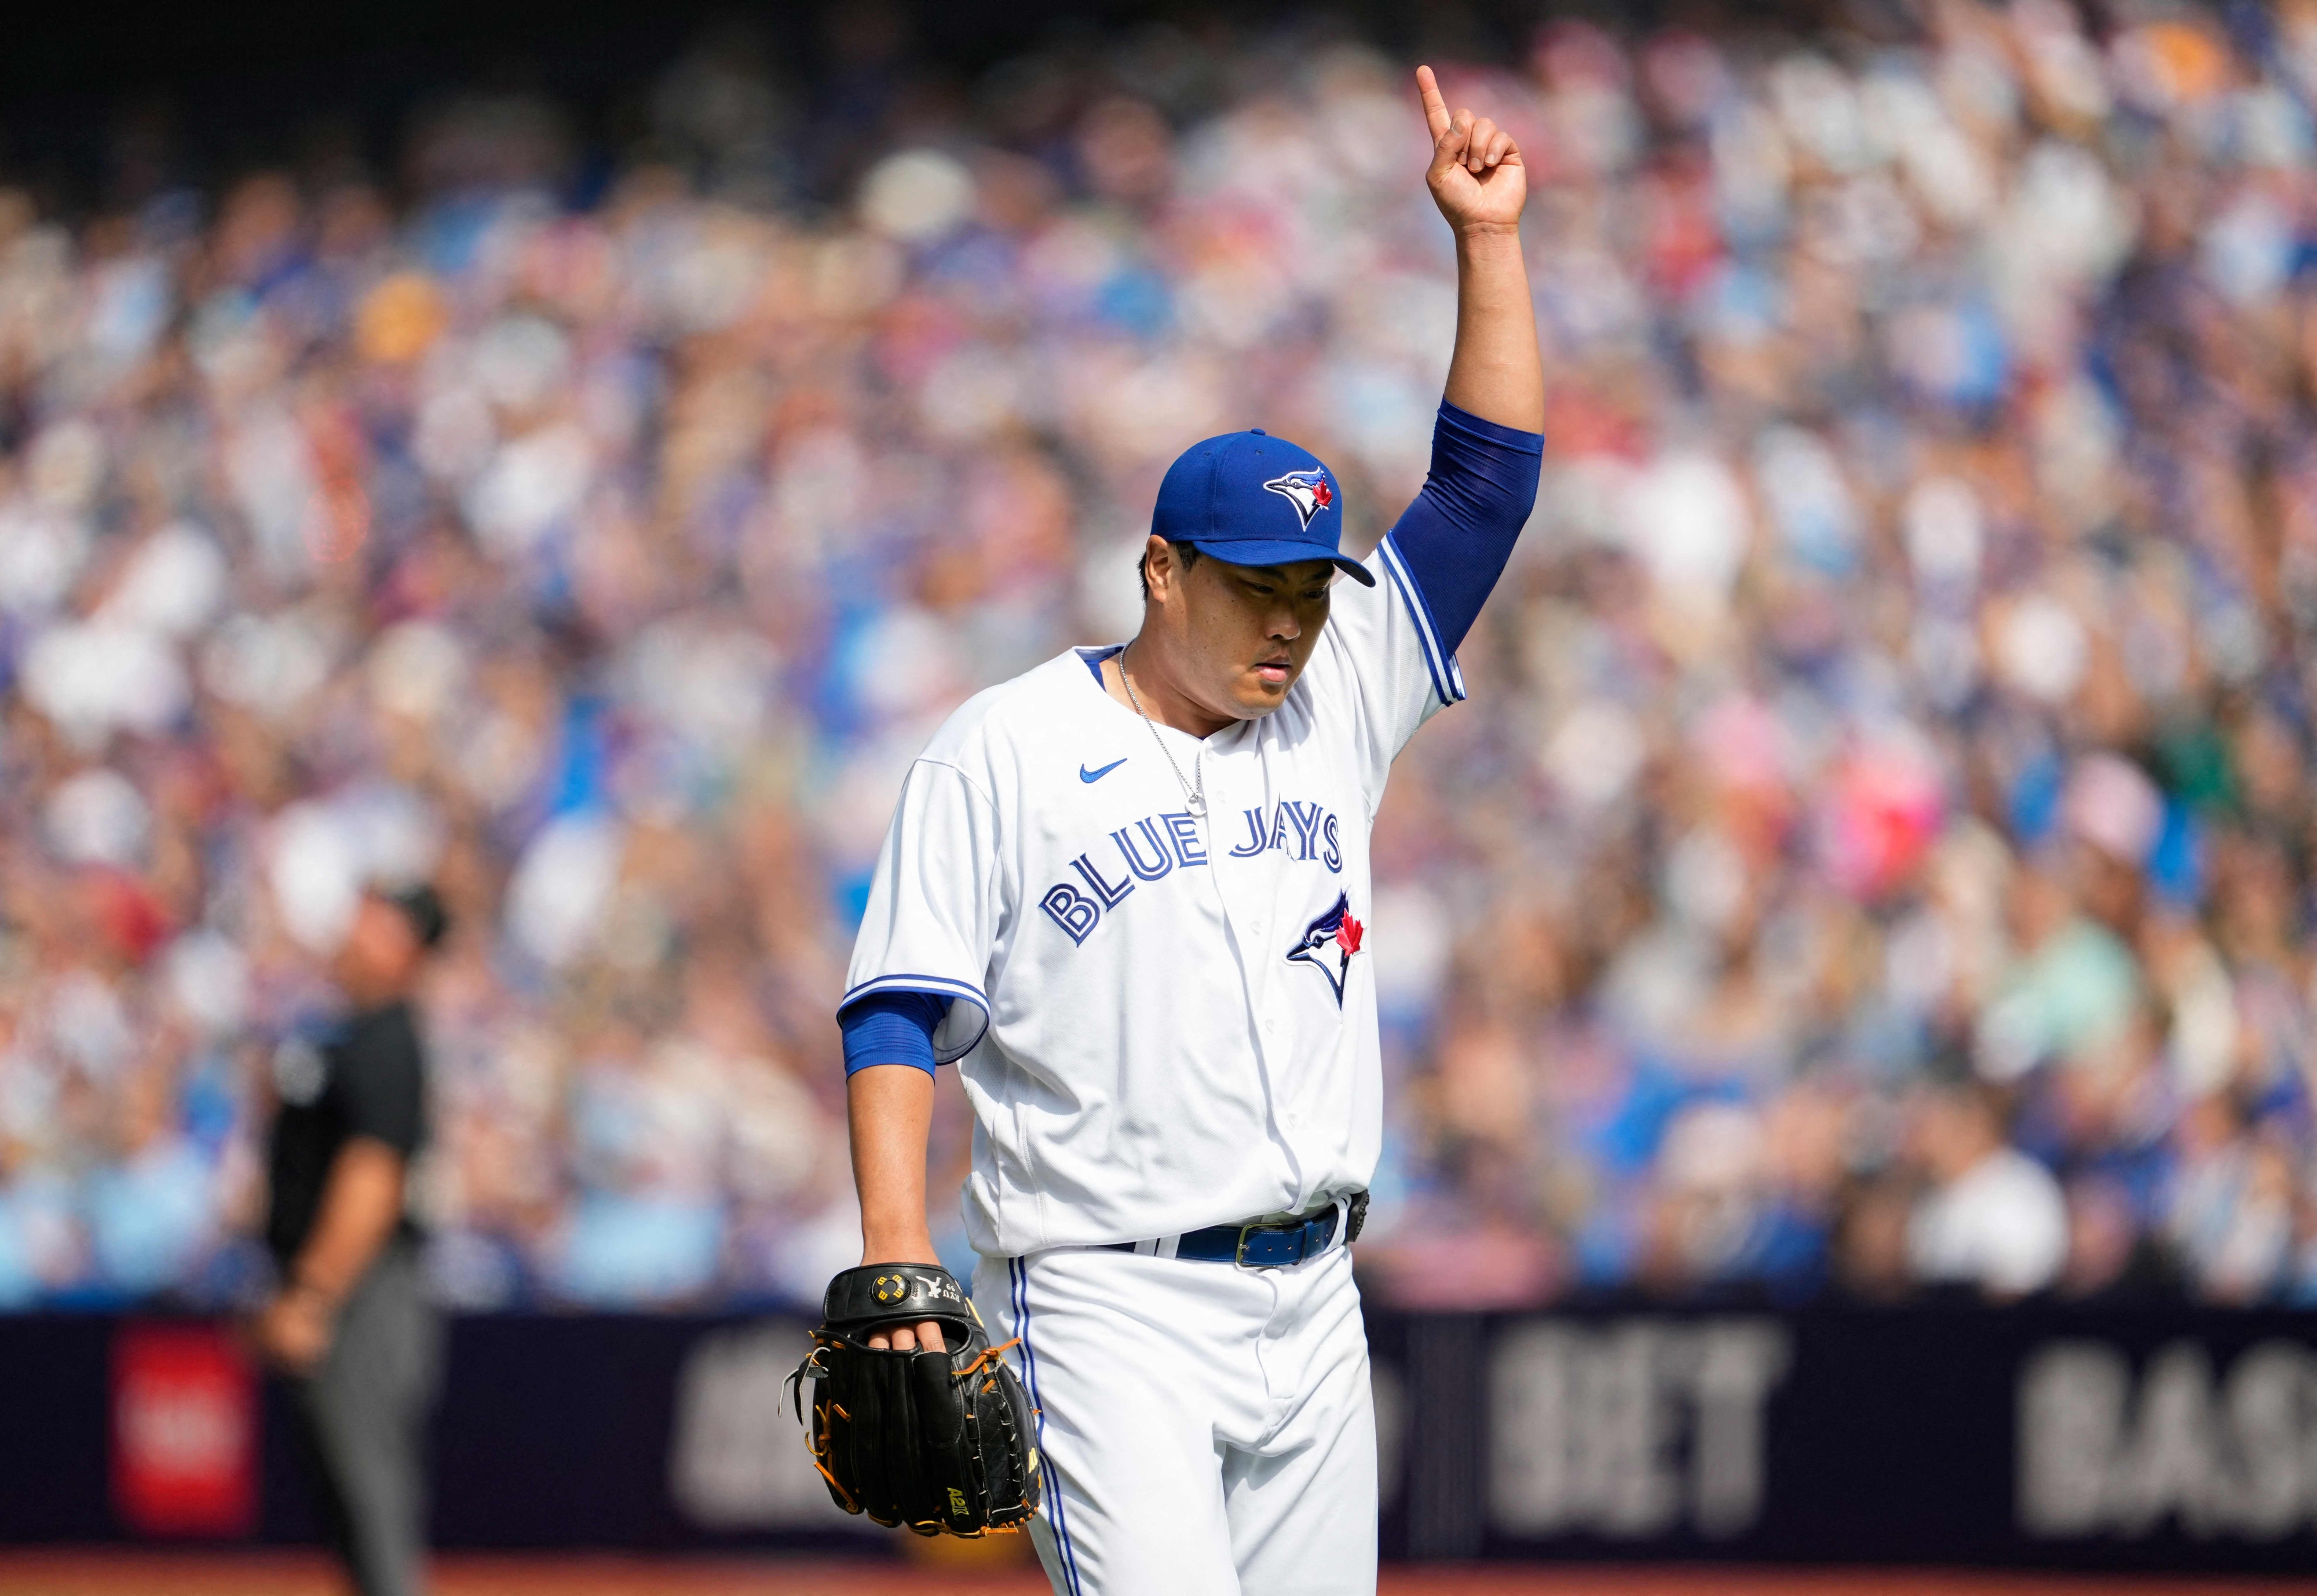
1447	677
939	986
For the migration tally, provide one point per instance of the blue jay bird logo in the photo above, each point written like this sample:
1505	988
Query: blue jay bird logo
1329	943
1310	492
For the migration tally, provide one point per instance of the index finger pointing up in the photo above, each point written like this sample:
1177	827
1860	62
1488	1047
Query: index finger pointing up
1435	109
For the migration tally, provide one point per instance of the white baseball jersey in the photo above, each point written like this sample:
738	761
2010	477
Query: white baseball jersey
1162	1021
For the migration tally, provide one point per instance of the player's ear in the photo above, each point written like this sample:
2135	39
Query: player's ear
1158	566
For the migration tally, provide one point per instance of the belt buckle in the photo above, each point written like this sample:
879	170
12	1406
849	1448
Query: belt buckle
1263	1232
1294	1240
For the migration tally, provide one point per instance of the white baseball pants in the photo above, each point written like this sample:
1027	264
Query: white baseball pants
1207	1430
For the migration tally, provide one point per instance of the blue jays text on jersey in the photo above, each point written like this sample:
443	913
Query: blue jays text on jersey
1155	845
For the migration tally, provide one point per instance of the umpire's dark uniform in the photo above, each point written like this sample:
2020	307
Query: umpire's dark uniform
365	1406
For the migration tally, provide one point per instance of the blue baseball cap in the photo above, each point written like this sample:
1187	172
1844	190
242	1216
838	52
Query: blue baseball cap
1253	499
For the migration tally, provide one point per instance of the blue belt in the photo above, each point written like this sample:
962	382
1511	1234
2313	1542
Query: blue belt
1254	1245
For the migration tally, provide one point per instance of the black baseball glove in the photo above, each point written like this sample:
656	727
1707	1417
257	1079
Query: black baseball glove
940	1441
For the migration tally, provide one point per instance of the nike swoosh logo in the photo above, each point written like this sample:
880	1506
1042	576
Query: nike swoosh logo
1091	776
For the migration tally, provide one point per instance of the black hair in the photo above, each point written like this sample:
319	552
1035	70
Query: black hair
422	906
1189	553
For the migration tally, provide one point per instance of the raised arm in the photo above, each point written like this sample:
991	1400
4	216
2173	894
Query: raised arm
1447	550
1477	180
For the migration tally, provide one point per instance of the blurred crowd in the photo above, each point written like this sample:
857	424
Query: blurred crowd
1875	857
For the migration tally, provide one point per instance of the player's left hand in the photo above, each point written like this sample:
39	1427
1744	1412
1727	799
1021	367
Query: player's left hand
1476	175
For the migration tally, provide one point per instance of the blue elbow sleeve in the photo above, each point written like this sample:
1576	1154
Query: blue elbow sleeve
891	1028
1456	538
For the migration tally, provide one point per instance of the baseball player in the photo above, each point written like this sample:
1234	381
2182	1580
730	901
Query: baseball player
1127	895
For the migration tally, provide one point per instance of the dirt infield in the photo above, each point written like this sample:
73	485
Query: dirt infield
290	1573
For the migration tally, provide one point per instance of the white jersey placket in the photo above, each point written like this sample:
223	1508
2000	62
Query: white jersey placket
1242	779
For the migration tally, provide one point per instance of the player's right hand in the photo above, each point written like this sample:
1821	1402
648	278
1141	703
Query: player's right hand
926	1333
908	1338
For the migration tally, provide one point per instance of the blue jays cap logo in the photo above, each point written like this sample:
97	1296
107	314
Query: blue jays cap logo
1310	492
1329	943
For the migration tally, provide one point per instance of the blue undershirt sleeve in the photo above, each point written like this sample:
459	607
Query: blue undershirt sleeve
891	1028
1456	536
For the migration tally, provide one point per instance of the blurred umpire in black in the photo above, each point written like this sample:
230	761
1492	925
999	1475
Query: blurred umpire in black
351	1323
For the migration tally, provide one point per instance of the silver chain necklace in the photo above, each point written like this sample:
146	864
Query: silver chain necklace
1195	798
